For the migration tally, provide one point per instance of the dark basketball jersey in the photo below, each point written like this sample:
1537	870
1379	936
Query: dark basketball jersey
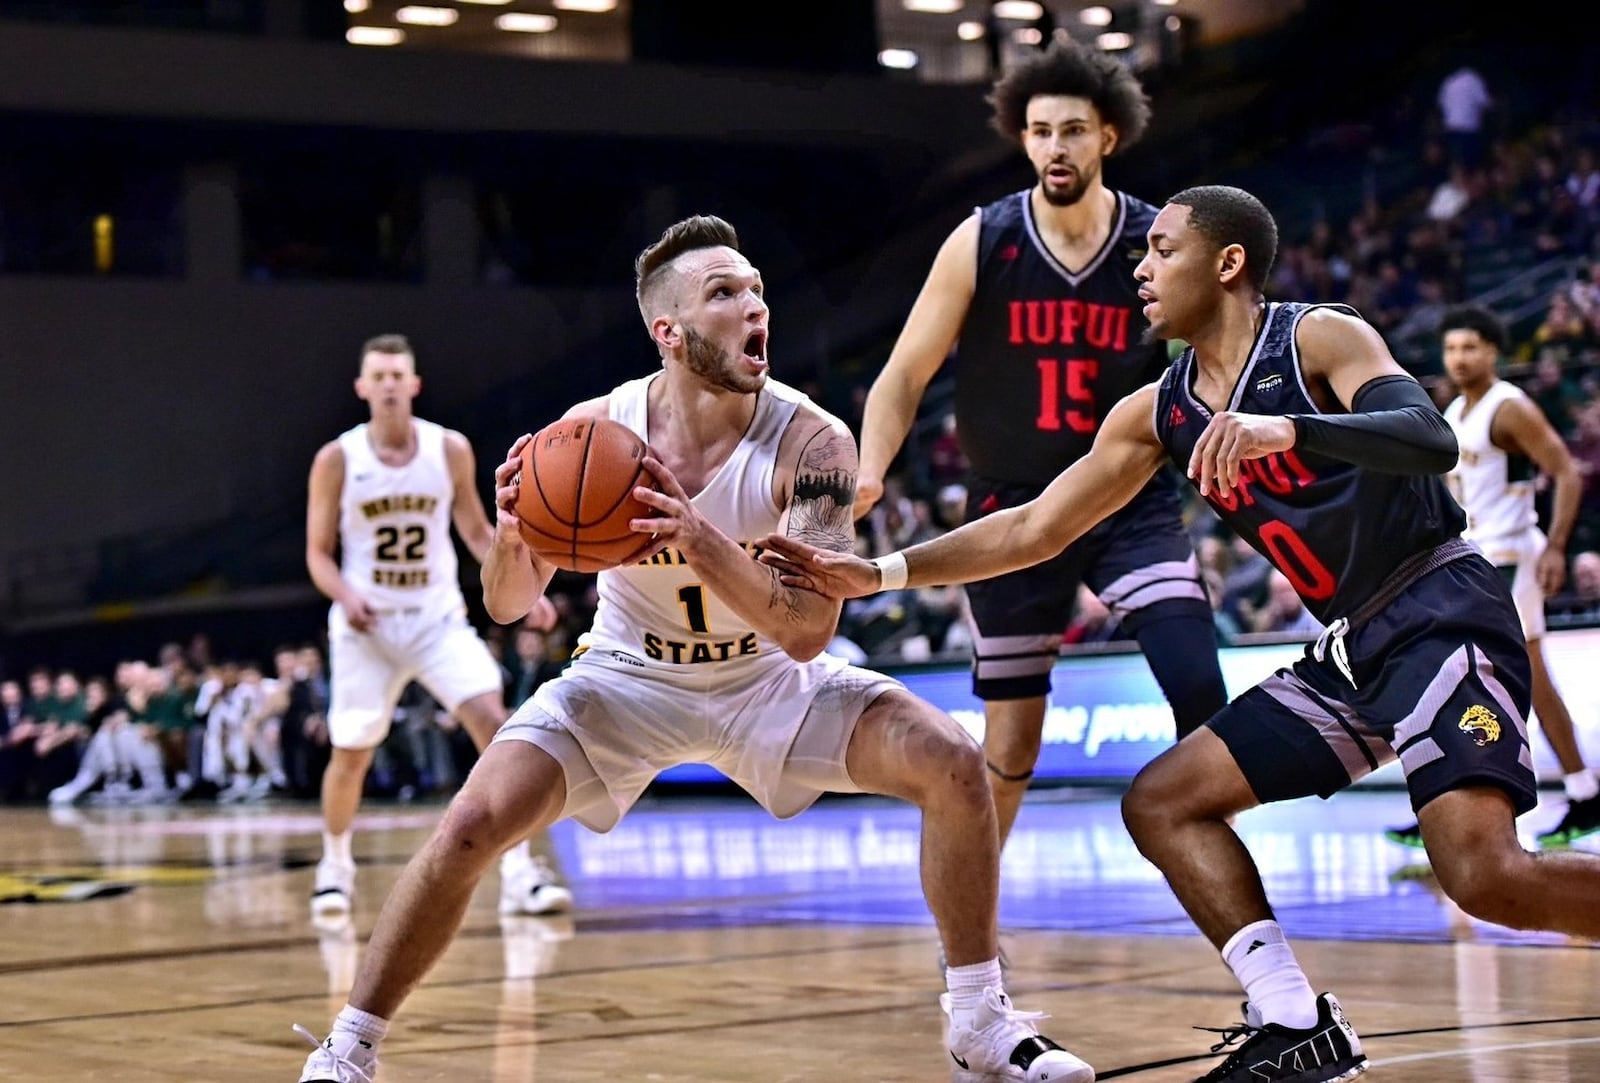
1045	353
1335	530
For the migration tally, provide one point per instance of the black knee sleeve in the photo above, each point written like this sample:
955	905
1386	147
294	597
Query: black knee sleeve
1179	640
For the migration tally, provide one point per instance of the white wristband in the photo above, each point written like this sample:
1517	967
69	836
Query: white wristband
892	570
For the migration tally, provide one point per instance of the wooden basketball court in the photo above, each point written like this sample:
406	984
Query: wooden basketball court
712	944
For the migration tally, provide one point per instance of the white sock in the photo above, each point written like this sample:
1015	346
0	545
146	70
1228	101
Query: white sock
967	983
336	848
1582	785
1260	957
356	1034
518	857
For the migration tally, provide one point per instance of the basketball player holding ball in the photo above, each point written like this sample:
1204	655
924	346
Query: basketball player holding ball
382	498
698	653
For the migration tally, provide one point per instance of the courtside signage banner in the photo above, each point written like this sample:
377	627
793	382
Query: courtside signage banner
1107	717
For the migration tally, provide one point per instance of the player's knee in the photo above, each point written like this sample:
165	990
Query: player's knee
1491	885
948	768
1142	813
472	828
964	767
1016	753
1160	797
1012	738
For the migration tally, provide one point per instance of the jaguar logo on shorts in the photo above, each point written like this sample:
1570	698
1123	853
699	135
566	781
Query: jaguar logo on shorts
1481	725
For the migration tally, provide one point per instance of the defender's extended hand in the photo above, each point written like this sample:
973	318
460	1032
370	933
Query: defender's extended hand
833	575
1231	438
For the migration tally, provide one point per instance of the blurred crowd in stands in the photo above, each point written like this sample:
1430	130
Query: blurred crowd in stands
188	727
185	726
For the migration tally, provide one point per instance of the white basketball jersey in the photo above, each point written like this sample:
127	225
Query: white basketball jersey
1495	489
658	611
394	523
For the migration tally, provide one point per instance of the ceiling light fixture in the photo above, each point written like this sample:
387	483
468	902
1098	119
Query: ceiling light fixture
933	7
356	7
969	31
1021	10
1113	41
901	59
586	5
374	35
1095	16
417	15
522	22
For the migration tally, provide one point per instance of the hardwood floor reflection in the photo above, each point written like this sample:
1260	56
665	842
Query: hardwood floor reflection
712	944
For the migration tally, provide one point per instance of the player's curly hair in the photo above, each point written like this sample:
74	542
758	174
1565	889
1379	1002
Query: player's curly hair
699	231
1072	69
1475	318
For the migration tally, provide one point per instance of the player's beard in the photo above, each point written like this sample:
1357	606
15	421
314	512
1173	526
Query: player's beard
1068	195
717	366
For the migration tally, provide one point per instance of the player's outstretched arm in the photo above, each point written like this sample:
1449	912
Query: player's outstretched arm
512	575
1393	427
929	333
1125	456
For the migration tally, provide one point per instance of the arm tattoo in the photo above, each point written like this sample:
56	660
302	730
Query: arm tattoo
786	599
824	493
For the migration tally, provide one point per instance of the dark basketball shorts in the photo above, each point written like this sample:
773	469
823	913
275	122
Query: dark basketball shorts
1439	677
1139	562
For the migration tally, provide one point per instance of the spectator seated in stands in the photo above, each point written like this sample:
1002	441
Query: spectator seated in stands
1579	604
119	751
1244	583
228	700
1558	395
946	463
1584	443
62	713
17	730
1562	334
1284	613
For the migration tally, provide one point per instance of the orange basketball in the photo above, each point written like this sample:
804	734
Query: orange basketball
576	494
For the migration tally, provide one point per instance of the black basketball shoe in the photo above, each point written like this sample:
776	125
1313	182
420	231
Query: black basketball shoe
1326	1052
1582	818
1410	835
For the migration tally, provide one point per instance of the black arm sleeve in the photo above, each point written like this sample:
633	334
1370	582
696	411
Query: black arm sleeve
1394	428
